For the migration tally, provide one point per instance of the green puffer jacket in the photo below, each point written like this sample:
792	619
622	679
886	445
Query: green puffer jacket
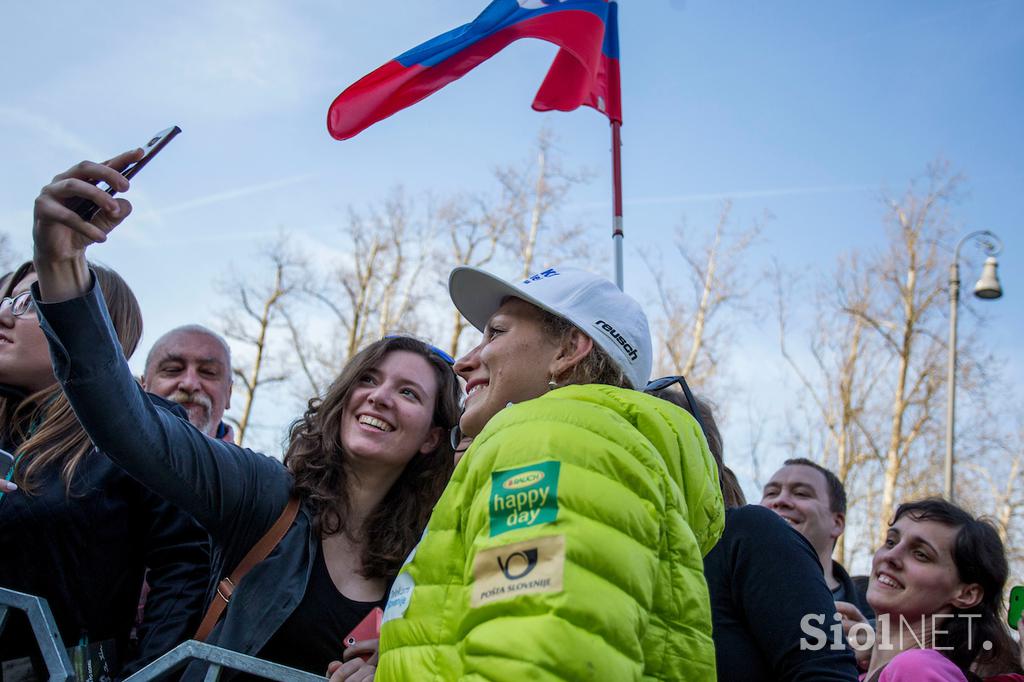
567	546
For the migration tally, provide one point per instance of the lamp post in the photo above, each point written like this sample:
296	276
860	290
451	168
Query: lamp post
987	287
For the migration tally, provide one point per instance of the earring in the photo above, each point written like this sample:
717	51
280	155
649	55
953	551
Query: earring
552	385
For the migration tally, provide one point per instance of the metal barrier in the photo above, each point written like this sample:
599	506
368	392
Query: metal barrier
59	669
219	659
55	656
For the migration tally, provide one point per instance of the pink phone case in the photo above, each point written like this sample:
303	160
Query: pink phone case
368	628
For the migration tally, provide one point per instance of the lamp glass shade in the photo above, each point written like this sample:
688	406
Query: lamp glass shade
988	286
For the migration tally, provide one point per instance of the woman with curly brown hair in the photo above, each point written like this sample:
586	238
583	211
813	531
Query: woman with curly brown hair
367	461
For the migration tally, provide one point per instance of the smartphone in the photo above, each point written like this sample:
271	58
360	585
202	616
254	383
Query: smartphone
87	209
1013	613
368	628
6	462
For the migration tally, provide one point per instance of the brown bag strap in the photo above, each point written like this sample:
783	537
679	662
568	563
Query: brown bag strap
260	551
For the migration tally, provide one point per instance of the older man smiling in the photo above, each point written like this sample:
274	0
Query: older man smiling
191	365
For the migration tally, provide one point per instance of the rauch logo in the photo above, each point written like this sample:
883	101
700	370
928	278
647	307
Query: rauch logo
523	480
524	496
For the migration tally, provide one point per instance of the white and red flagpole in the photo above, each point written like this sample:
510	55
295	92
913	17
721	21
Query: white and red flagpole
617	234
613	84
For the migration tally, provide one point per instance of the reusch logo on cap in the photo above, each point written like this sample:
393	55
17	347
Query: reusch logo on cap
626	345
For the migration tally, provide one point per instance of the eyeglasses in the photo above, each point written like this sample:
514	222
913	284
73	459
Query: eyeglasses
664	382
449	360
19	305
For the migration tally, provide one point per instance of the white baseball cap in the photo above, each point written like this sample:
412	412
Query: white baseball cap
611	318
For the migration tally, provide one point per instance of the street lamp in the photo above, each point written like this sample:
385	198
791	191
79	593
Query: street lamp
987	287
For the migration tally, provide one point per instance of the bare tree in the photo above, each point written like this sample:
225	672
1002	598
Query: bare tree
843	374
255	311
755	437
1008	505
475	229
531	196
906	316
508	228
375	289
694	322
876	377
307	350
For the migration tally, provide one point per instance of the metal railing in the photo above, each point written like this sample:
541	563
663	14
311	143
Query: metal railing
59	669
44	628
219	659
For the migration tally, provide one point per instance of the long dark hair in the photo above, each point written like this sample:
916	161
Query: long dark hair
980	558
41	426
317	460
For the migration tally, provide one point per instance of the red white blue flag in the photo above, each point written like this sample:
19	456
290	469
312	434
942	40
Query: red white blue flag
585	70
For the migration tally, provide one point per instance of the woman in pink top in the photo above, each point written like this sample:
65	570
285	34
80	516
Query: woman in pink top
936	586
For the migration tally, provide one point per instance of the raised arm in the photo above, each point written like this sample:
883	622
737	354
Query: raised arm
234	493
60	237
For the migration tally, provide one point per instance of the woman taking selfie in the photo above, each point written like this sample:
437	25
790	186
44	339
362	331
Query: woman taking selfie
75	528
936	587
568	543
366	461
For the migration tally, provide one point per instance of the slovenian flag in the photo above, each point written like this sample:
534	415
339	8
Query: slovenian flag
585	70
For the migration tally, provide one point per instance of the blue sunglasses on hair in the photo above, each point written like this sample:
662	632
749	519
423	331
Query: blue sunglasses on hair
665	382
449	360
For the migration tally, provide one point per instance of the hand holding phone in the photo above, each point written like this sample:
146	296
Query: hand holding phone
368	628
86	209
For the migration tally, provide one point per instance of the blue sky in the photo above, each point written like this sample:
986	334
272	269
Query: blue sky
807	110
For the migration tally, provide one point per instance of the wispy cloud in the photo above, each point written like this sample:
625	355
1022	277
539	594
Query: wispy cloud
236	193
737	194
52	132
152	236
751	194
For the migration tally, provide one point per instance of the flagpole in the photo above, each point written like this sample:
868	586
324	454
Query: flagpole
617	234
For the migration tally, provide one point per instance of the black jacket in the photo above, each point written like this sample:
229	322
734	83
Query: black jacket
764	579
86	553
234	493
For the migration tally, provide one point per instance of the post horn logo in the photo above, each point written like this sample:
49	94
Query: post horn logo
518	564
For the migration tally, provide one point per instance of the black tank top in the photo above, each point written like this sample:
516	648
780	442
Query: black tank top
312	636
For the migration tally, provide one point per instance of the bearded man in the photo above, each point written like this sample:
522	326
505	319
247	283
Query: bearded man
191	365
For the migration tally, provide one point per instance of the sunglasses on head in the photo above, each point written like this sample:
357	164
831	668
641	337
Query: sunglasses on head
664	382
449	360
455	437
